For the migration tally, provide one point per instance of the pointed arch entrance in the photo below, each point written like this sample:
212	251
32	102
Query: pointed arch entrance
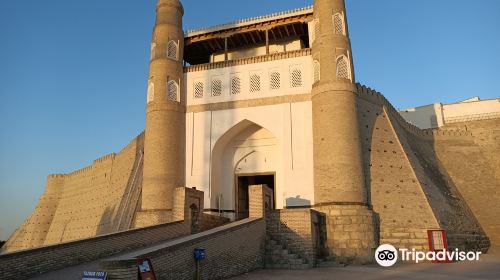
247	154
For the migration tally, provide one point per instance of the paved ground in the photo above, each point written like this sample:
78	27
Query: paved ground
487	268
70	273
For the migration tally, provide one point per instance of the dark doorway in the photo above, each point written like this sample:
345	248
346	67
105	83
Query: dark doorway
242	202
194	218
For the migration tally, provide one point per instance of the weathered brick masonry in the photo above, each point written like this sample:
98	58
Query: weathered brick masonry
298	230
92	201
374	178
28	263
422	179
208	221
231	250
351	233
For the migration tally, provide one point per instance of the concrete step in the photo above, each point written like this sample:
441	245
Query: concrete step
277	266
290	258
296	261
271	241
301	266
274	246
278	252
288	266
279	256
282	254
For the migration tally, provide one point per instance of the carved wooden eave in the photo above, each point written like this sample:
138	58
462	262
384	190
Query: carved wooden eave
287	25
275	28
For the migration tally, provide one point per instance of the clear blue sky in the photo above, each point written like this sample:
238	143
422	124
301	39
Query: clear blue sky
73	73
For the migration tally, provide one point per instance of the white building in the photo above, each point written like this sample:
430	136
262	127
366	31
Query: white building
438	114
265	135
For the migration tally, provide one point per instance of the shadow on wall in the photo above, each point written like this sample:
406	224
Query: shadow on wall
106	222
387	178
300	231
297	201
120	217
367	125
444	161
367	118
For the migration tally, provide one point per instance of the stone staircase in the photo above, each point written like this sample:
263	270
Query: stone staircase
285	248
278	256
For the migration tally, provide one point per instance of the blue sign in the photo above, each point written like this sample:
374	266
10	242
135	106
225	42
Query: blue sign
199	254
94	275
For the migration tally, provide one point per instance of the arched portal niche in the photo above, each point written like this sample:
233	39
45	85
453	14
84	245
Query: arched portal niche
247	154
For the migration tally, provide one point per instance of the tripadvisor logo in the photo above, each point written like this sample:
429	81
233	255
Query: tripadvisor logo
386	255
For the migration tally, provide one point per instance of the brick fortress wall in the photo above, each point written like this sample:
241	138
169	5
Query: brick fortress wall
417	180
28	263
231	250
88	202
426	179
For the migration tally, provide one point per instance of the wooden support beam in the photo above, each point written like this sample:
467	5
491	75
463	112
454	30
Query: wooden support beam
267	41
225	49
274	35
251	37
219	45
294	30
286	30
279	31
211	45
245	38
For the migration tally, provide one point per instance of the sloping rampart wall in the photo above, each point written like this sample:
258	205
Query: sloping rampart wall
83	204
428	179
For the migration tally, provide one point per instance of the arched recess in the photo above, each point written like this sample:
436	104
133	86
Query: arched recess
151	92
173	50
153	51
338	24
316	71
173	91
246	154
343	68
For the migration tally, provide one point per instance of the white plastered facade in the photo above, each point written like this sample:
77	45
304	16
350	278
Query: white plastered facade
270	139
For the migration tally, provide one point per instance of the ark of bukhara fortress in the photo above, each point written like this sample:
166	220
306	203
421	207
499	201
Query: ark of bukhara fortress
267	110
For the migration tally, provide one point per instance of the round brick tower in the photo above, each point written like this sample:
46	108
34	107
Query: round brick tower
339	179
164	153
338	168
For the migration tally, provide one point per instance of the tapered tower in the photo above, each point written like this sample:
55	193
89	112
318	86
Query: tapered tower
338	168
164	153
339	180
